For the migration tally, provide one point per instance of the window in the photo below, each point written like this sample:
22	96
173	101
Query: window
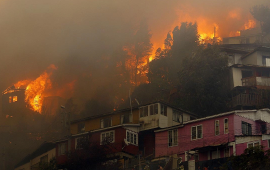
226	126
144	111
227	152
246	128
107	122
126	118
81	127
163	110
216	127
177	116
81	142
247	73
15	98
196	132
107	137
61	148
268	143
196	156
263	128
154	109
253	144
173	137
132	137
10	99
266	61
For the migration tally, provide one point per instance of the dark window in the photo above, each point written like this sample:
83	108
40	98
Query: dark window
263	129
155	109
81	127
266	60
246	128
151	109
126	118
247	73
107	122
164	110
265	73
144	111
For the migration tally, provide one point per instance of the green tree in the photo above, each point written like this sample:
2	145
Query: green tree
162	73
203	86
253	158
262	14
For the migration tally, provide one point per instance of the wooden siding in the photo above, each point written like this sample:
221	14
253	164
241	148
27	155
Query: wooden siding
247	100
94	124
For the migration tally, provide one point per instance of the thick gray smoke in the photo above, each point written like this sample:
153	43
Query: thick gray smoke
80	36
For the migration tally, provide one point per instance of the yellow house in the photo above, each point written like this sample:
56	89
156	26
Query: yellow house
125	116
43	154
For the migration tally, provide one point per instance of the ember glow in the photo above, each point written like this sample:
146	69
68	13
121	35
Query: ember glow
250	24
34	90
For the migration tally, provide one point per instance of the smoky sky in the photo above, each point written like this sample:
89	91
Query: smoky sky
78	35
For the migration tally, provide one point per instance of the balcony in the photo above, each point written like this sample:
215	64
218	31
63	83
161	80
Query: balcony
256	81
247	100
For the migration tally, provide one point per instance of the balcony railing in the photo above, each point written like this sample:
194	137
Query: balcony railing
247	100
256	81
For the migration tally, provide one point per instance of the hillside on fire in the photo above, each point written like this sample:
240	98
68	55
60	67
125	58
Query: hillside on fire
63	62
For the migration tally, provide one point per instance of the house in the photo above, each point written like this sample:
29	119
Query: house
213	137
42	155
249	75
130	132
12	101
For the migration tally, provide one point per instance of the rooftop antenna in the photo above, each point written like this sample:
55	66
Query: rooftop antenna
137	101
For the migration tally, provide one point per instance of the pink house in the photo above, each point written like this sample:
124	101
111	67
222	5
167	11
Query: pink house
214	137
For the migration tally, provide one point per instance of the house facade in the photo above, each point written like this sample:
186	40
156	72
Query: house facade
249	75
129	132
42	155
214	137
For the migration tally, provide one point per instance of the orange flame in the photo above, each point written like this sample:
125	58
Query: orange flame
250	24
34	90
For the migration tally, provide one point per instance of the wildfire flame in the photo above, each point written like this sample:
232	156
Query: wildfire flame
34	92
250	24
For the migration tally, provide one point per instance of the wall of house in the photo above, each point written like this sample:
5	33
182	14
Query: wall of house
232	40
150	122
95	123
252	59
184	136
61	159
260	55
24	167
117	145
236	77
241	142
238	124
161	121
51	154
237	58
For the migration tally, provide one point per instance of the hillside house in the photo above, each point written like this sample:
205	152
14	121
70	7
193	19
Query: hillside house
42	155
129	132
213	137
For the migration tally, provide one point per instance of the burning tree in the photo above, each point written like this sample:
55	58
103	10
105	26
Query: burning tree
139	50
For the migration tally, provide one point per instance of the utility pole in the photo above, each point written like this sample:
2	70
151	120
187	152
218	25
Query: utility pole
139	162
